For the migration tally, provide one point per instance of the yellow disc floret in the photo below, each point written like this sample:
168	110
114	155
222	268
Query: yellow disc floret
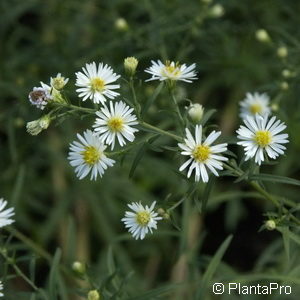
255	108
115	124
97	84
263	138
171	69
201	153
91	155
143	218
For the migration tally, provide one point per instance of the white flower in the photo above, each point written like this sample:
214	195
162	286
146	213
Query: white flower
261	136
141	220
58	82
40	96
5	214
1	288
202	154
95	83
88	156
115	123
255	104
171	71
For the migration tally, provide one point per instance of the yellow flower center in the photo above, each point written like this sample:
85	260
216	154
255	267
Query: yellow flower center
201	153
255	108
115	124
97	84
171	69
263	138
143	218
91	155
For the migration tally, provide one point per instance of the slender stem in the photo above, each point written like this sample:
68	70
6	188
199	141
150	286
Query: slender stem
263	192
136	103
161	131
181	121
31	244
74	107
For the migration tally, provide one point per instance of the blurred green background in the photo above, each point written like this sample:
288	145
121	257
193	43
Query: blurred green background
38	39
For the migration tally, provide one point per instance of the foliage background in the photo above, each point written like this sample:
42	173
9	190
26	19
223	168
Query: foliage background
41	38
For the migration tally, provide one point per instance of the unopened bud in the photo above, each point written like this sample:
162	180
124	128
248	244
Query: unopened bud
195	112
282	52
161	211
78	267
286	73
93	295
284	85
262	35
130	65
121	24
217	11
274	107
35	127
270	225
58	82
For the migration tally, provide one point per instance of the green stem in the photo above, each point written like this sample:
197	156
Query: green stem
136	103
181	121
31	244
161	131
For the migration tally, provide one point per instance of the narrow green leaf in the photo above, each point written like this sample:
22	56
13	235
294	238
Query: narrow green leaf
53	277
212	267
275	178
139	154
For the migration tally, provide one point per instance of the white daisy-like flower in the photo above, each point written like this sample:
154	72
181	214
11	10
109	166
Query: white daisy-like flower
141	220
58	82
40	96
115	123
171	71
202	154
1	288
96	83
261	135
88	155
255	104
5	214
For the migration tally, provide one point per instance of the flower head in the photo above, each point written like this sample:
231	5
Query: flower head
87	156
58	82
141	220
96	83
1	288
40	96
5	214
255	104
115	123
261	136
202	155
130	65
171	71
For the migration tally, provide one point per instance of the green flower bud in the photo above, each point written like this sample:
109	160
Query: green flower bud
78	267
217	11
130	65
121	24
262	35
270	225
282	52
93	295
35	127
195	111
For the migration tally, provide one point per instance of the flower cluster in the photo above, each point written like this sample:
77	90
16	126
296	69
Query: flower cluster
115	124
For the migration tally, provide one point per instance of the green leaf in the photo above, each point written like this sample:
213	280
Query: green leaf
212	267
53	278
207	116
275	178
153	294
139	154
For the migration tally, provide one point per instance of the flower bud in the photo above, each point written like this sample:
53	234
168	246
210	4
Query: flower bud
262	35
93	295
274	107
282	52
217	11
78	267
270	225
284	85
130	65
35	127
161	211
58	82
286	73
121	24
195	112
